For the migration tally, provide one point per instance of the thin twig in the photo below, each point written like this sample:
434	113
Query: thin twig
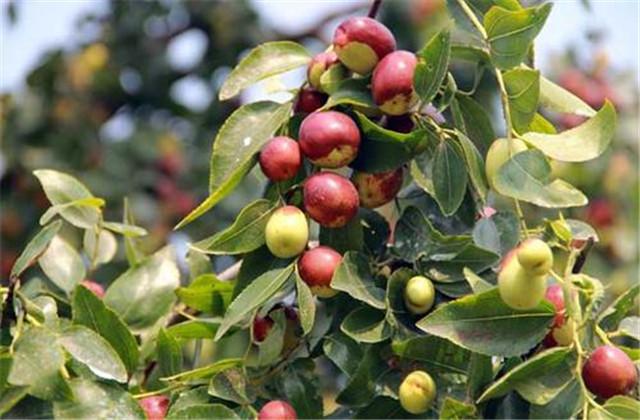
582	258
375	6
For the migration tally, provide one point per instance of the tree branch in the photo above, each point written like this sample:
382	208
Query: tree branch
375	6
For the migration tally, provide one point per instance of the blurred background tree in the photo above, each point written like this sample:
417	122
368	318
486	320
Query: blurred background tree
131	109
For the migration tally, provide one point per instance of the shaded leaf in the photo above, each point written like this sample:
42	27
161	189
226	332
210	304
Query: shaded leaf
366	325
36	246
353	276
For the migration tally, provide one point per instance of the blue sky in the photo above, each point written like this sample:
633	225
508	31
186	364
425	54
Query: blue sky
47	23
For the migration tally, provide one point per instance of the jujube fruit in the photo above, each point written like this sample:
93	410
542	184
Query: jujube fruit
392	83
330	199
261	328
518	288
561	331
377	189
417	392
309	100
316	268
277	410
155	407
500	151
280	158
419	295
535	256
96	288
609	371
361	42
287	232
329	139
318	65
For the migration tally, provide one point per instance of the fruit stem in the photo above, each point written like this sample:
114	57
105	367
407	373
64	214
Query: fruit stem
375	6
157	392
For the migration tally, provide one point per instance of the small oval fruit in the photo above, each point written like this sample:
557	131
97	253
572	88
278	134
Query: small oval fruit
309	100
417	392
316	268
377	189
609	371
392	83
329	139
518	288
419	295
330	199
535	256
499	153
319	64
261	328
561	332
361	42
155	407
277	410
280	158
287	232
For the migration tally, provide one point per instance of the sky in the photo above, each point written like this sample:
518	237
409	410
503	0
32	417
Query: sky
22	44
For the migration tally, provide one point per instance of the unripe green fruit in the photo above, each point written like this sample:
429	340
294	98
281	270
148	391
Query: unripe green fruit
499	153
287	232
419	295
535	256
518	288
417	392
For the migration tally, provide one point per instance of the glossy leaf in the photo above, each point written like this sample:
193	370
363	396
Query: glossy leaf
433	60
584	142
483	323
93	351
510	33
62	264
266	60
527	177
60	189
343	351
523	92
145	293
90	311
207	294
36	246
96	400
561	100
354	277
254	295
244	235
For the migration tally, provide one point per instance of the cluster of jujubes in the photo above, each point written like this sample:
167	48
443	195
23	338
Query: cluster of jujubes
330	139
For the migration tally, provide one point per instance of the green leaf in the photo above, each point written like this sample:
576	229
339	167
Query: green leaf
503	331
169	353
453	409
270	349
449	176
194	396
255	264
349	92
472	119
584	142
306	305
614	313
231	385
205	411
100	247
346	238
62	264
433	60
617	407
361	386
375	229
499	233
436	352
416	237
244	235
331	82
353	276
540	124
197	328
630	327
207	294
266	60
36	246
525	374
523	92
96	400
254	295
510	33
145	293
342	351
475	165
366	325
90	311
477	283
205	371
54	210
565	405
95	352
37	361
387	149
124	229
561	100
479	374
132	249
527	177
60	189
302	389
234	149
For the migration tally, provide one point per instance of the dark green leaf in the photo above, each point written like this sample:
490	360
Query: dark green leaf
440	354
343	239
433	60
565	405
169	353
353	276
450	270
449	176
614	313
303	392
498	233
306	305
366	325
472	119
475	165
343	352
